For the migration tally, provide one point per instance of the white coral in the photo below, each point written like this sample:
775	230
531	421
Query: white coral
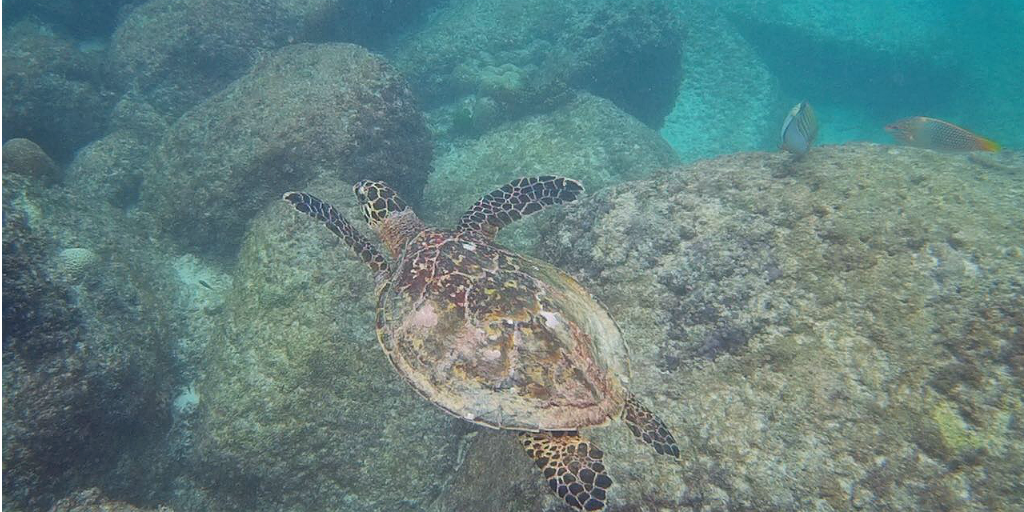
73	263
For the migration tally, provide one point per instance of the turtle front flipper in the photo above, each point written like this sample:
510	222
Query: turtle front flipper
324	212
572	466
648	427
517	199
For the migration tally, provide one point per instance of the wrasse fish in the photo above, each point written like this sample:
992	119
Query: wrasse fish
799	129
929	133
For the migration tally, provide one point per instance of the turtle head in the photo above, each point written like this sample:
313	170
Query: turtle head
387	214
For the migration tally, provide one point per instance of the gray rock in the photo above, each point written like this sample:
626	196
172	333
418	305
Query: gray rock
22	156
589	139
86	348
527	56
728	99
92	500
110	169
297	398
839	333
306	110
54	94
178	52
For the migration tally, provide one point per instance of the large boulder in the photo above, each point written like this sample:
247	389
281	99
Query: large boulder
306	110
54	93
526	56
87	342
728	100
110	169
588	139
83	20
840	333
178	52
299	408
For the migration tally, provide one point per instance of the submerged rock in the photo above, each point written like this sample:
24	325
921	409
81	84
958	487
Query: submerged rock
92	500
22	156
86	349
527	56
589	139
307	110
299	403
178	52
841	332
728	100
54	94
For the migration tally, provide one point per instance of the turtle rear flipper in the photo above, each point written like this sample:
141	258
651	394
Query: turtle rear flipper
324	212
572	466
648	427
517	199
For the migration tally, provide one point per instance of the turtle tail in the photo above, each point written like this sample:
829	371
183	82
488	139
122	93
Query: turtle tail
324	212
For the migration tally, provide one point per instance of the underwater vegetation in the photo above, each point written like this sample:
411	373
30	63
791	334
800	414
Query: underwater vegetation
836	325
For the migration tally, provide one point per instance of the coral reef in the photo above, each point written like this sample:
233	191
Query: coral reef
306	110
74	263
298	400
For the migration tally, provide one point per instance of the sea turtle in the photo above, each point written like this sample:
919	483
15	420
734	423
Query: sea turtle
498	338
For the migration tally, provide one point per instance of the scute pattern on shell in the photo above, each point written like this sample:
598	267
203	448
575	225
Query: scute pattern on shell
498	338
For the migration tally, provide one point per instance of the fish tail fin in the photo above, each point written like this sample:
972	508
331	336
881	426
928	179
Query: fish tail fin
988	145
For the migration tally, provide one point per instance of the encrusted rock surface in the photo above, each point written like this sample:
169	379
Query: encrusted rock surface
840	333
178	52
87	338
589	139
300	409
306	110
526	56
54	94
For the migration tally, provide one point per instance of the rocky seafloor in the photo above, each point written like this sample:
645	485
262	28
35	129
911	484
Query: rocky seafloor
839	332
835	333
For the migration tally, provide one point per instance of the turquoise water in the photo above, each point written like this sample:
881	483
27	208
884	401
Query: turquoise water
720	325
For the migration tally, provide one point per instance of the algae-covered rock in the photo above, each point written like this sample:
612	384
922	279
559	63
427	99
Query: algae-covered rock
306	110
93	500
54	94
22	156
178	52
588	139
527	55
728	99
839	333
110	169
87	335
298	400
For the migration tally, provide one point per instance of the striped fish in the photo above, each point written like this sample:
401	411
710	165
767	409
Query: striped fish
929	133
799	129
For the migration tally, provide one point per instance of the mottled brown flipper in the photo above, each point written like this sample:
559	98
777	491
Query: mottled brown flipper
517	199
648	427
572	466
324	212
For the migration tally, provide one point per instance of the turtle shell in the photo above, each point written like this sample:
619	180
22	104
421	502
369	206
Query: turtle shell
498	338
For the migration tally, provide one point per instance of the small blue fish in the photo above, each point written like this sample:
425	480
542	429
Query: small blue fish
799	129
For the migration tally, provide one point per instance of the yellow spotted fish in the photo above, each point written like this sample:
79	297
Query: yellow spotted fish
929	133
799	129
